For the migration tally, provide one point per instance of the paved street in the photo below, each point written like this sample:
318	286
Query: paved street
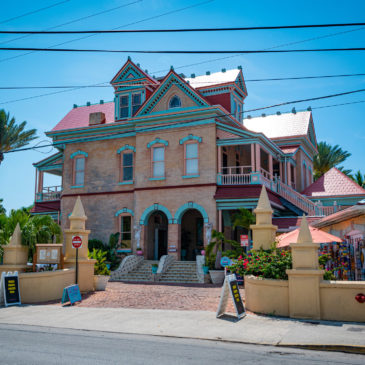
43	345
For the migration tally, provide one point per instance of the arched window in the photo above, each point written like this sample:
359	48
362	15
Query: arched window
175	102
78	168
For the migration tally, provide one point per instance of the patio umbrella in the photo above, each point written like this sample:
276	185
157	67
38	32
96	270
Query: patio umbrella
318	236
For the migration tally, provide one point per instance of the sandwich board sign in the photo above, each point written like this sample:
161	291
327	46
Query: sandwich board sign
10	288
230	286
71	294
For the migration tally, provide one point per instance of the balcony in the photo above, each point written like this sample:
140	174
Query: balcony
49	193
242	175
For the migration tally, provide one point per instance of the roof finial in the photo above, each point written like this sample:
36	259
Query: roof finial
129	58
171	68
264	202
304	232
78	211
16	238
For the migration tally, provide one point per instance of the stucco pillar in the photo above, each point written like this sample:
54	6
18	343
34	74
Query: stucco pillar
219	159
253	168
263	232
86	265
258	158
281	171
173	246
288	169
305	277
271	170
15	254
220	221
40	181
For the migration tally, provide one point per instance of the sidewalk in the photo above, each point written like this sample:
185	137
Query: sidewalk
252	329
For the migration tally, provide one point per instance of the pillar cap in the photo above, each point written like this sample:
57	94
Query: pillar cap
263	204
78	211
16	238
304	235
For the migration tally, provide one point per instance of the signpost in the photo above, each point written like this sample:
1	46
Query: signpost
77	243
71	294
10	288
230	285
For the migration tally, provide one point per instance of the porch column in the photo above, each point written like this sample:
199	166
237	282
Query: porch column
271	170
258	159
219	159
173	246
285	172
36	184
219	221
253	157
40	181
281	171
288	169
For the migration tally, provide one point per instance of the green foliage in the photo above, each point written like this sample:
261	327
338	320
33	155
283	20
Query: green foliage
100	267
2	209
359	178
328	156
94	243
328	274
13	136
244	218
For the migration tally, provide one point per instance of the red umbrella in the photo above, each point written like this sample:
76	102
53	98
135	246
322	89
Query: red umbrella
318	236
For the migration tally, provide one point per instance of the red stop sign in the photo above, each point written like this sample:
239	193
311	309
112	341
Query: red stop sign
76	241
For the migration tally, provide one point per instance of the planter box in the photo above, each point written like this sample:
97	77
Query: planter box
217	276
100	282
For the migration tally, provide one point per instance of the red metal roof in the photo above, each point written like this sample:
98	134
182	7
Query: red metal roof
45	207
79	117
333	183
285	223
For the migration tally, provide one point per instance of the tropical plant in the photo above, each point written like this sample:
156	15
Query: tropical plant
13	136
243	218
100	267
94	243
359	178
328	156
2	209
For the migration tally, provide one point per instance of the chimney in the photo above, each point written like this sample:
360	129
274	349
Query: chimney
96	118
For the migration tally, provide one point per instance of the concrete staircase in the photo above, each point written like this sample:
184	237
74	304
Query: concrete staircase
142	272
180	272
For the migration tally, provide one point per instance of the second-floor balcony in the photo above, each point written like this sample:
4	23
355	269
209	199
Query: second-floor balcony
49	193
243	175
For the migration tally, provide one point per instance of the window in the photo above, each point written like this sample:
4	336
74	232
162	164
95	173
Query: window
124	106
136	102
238	115
158	162
234	108
175	102
125	231
191	159
127	166
79	171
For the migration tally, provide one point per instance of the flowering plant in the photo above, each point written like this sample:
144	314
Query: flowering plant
269	264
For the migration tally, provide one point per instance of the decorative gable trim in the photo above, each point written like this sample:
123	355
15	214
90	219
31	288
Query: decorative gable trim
157	140
171	79
126	147
240	82
189	138
79	153
124	210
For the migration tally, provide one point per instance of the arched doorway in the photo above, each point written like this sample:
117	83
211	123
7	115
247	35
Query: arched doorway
157	235
192	234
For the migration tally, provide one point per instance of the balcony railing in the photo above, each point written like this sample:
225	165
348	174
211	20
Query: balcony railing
49	193
274	184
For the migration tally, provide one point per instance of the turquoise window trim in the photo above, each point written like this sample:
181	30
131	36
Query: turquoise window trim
79	152
124	210
157	141
76	186
124	250
190	205
190	176
157	178
190	137
126	182
126	147
146	214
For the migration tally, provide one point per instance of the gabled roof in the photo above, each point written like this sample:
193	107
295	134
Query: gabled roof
333	183
283	125
215	78
79	117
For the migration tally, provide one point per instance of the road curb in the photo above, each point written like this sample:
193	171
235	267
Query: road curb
353	349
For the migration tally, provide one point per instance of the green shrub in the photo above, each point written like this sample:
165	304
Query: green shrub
100	267
97	244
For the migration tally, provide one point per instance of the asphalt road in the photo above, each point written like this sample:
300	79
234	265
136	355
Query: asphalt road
42	345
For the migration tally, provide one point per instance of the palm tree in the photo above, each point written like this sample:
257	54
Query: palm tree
359	178
13	136
244	218
328	157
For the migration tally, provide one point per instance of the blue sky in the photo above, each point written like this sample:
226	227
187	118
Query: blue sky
342	125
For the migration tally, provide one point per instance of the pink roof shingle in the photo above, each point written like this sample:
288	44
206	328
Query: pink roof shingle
79	117
333	183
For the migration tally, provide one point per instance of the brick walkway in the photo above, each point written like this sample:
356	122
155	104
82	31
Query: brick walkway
157	296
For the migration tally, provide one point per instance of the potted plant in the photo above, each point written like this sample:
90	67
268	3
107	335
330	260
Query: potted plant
205	266
101	272
154	268
139	252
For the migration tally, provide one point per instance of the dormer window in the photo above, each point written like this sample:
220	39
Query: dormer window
175	102
129	105
136	102
124	106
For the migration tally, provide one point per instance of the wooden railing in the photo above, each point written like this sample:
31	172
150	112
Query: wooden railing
49	193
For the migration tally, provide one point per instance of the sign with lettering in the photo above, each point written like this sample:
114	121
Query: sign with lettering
10	286
76	241
225	261
71	294
230	285
244	240
48	253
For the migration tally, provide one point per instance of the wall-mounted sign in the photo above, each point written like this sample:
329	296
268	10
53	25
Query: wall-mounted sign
48	253
230	285
71	294
244	240
10	288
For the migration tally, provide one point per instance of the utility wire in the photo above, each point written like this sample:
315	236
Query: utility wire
32	12
101	85
178	51
181	30
232	114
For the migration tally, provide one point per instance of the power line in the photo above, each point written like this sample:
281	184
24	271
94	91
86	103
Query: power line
33	12
181	30
178	51
197	82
